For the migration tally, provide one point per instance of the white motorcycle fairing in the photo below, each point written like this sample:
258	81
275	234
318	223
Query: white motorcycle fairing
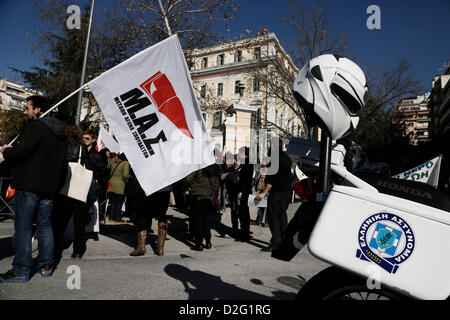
401	243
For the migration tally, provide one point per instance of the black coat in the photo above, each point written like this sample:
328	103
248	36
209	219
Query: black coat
245	178
281	181
37	159
231	180
92	159
96	163
135	194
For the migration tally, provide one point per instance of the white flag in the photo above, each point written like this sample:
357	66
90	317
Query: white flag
106	141
427	172
150	105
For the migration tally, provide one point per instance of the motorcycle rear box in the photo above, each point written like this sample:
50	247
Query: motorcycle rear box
403	244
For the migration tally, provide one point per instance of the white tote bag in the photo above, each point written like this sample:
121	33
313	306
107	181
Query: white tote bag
78	181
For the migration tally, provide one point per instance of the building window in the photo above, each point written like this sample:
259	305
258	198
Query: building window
237	84
205	63
220	60
217	120
258	53
256	85
238	56
253	121
276	117
203	91
220	89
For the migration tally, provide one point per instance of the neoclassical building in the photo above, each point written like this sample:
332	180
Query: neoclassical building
234	100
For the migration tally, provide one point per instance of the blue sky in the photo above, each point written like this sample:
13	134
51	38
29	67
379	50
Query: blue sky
416	30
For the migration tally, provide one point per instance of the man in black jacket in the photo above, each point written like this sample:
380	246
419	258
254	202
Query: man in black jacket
36	161
244	190
279	188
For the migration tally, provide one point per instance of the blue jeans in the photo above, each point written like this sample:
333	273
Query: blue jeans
259	217
27	205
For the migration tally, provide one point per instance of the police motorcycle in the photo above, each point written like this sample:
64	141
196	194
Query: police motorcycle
385	238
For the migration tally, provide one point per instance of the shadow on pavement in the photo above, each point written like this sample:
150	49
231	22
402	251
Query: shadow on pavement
126	234
281	295
294	283
178	229
258	243
215	221
202	286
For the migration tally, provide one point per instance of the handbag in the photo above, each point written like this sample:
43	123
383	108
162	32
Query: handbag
78	181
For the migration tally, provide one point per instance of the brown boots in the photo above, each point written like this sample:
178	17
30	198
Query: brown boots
142	238
162	233
140	249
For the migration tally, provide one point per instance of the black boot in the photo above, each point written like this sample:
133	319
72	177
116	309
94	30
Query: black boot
198	247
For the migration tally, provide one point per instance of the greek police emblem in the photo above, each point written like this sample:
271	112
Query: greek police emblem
385	239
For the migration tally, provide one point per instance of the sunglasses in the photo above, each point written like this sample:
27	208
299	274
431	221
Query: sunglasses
86	138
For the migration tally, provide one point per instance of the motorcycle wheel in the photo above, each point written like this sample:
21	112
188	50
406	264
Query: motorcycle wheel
336	284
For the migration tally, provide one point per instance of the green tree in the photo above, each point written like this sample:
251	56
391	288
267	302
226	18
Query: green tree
10	124
61	71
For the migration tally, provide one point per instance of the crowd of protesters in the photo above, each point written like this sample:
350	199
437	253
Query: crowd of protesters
39	163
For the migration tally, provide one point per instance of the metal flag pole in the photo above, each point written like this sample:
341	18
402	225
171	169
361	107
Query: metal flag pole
52	108
83	71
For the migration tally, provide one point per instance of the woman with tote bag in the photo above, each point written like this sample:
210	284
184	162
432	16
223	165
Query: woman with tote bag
66	207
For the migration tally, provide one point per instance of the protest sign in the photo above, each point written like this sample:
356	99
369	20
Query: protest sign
106	141
150	105
427	172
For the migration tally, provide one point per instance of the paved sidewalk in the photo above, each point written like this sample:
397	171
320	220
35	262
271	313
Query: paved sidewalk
230	270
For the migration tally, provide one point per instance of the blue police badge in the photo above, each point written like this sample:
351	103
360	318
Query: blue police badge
385	239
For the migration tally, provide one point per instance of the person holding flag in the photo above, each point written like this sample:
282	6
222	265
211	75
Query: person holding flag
37	162
150	104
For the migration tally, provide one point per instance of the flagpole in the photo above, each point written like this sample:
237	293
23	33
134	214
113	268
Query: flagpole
83	71
52	108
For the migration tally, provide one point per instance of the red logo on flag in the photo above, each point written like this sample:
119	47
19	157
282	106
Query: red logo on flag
159	88
102	145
